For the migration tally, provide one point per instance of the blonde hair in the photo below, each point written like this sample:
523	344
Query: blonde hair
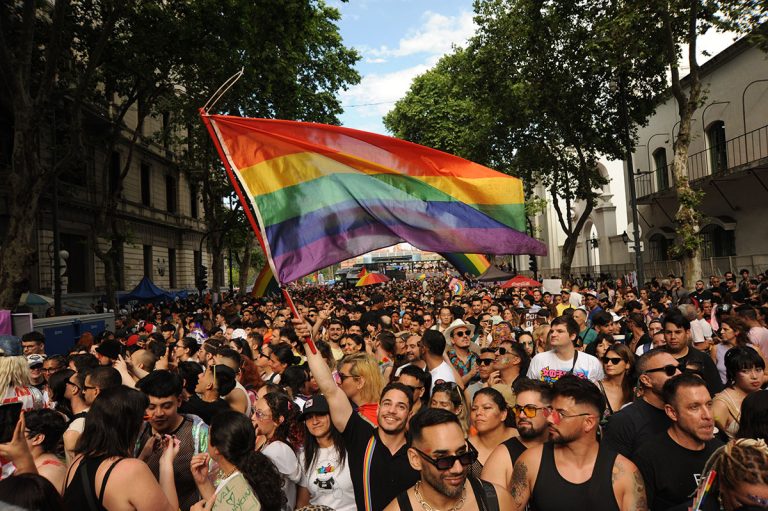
743	460
14	372
365	366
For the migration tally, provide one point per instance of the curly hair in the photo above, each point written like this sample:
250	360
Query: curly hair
233	435
289	431
744	460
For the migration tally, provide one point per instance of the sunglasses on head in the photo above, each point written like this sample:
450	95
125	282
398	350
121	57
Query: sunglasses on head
669	369
612	360
447	462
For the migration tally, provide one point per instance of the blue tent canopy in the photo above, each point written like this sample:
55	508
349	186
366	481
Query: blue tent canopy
146	291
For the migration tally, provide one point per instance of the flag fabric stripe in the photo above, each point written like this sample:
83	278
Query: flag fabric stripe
298	168
474	264
265	283
371	192
337	218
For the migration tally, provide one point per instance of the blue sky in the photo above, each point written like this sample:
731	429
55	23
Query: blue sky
400	39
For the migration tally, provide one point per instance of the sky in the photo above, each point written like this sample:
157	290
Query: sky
400	39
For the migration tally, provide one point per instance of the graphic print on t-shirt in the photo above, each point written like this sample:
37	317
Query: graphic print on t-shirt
324	477
552	375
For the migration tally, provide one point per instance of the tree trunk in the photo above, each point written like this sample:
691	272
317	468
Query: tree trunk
571	240
18	251
245	264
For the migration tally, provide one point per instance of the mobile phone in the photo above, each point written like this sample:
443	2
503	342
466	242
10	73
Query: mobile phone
9	416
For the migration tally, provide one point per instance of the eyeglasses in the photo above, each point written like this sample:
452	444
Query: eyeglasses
485	361
88	387
73	384
51	369
558	415
669	369
461	333
414	388
612	360
446	462
261	415
343	376
529	410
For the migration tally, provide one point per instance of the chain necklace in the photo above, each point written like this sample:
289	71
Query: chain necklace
427	507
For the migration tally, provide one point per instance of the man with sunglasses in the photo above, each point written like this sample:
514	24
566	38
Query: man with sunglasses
677	333
442	457
485	368
533	397
574	470
634	424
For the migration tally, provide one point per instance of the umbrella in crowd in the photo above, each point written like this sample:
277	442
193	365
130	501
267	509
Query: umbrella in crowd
521	281
370	279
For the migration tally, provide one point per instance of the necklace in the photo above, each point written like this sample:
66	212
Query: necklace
427	507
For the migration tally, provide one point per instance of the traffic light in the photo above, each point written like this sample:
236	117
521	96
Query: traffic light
202	277
533	265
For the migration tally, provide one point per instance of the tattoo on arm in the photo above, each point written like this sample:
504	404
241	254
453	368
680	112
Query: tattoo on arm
639	498
519	486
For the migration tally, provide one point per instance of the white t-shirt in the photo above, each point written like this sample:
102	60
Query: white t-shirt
442	372
328	481
287	464
549	368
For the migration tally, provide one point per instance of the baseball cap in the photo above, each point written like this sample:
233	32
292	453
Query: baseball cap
109	349
315	404
35	360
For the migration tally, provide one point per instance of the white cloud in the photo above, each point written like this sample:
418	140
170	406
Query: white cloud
379	91
435	36
375	60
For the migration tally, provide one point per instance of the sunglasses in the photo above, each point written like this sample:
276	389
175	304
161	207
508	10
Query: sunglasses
485	361
612	360
344	377
446	462
461	333
669	369
558	416
529	410
501	351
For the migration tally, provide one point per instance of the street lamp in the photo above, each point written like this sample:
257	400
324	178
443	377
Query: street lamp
619	85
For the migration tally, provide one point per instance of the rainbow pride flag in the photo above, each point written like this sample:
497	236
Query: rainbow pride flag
265	283
474	264
320	194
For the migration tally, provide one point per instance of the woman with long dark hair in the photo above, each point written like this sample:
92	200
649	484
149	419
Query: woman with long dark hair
282	356
617	386
274	417
245	475
733	332
325	475
104	475
745	371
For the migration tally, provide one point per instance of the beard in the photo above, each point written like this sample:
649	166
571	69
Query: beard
558	438
436	482
528	432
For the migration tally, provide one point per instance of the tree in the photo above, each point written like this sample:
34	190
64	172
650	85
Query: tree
537	78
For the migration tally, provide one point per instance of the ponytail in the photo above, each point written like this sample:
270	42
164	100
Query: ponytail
263	478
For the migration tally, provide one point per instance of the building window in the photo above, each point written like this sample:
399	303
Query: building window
718	153
660	166
193	202
145	184
148	261
170	194
658	247
172	267
114	172
717	242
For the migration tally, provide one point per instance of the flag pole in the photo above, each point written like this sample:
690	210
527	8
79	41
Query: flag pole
248	213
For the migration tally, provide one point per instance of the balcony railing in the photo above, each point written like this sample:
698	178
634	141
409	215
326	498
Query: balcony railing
737	154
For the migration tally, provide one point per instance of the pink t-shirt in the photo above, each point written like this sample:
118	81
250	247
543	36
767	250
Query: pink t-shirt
758	335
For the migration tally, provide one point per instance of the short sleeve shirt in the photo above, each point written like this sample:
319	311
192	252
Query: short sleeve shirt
548	368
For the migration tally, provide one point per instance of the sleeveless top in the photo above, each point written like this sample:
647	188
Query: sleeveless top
553	493
485	495
733	410
81	491
514	447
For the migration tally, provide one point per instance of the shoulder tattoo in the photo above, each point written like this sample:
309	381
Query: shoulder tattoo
519	482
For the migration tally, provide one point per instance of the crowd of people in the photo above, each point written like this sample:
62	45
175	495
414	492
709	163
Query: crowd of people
401	396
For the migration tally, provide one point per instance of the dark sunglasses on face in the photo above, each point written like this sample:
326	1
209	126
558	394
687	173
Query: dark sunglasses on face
485	361
447	462
529	410
612	360
669	369
461	333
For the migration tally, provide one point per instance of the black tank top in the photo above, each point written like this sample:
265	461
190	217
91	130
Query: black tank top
553	493
515	448
81	491
485	495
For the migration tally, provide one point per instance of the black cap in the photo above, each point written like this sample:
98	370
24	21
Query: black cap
315	404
